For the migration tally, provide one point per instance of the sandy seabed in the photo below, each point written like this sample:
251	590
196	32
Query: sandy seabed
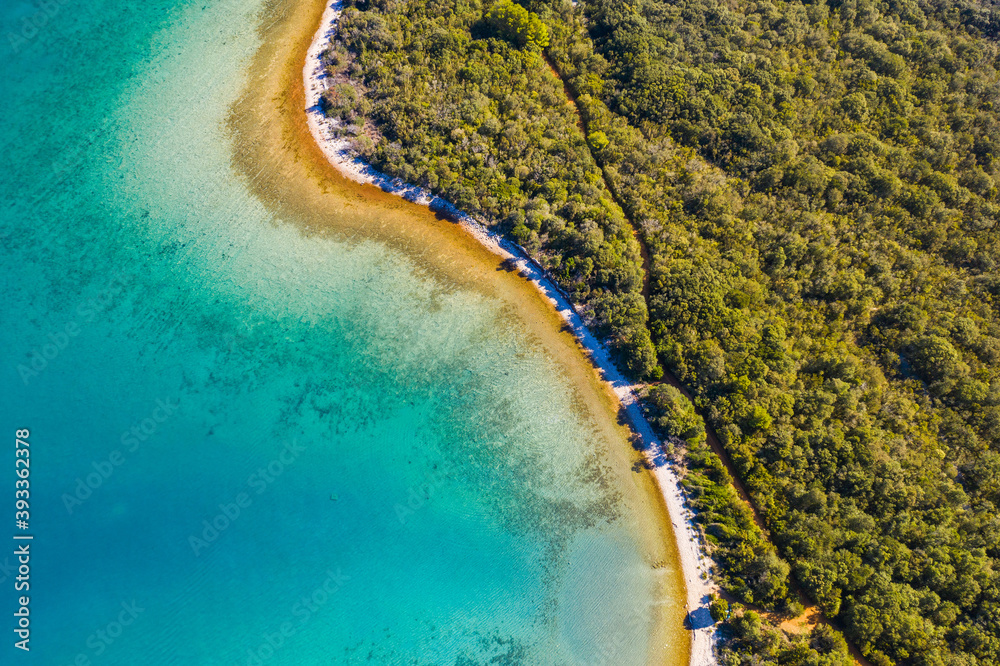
695	565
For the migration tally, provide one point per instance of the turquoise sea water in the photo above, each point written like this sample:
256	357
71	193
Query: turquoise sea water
253	446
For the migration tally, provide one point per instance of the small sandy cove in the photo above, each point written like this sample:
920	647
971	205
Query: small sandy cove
694	563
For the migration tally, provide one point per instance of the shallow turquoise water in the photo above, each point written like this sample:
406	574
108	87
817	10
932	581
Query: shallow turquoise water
412	483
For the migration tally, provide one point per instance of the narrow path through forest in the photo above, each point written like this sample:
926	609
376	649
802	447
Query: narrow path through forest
582	124
812	614
668	377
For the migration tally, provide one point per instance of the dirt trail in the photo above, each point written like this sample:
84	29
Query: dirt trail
812	614
582	124
668	377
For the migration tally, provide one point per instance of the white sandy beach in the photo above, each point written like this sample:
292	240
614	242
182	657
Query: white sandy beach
694	563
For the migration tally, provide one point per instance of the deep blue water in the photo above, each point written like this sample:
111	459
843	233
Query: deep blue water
253	446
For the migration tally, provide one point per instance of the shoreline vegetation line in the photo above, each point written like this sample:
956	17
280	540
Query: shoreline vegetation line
695	564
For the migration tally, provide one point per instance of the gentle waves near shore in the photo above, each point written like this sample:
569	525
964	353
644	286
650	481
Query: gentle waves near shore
695	564
381	450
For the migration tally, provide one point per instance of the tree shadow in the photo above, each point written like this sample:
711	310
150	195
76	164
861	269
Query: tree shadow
508	265
653	453
699	618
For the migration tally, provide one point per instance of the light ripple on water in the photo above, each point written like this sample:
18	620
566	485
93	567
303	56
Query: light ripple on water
472	515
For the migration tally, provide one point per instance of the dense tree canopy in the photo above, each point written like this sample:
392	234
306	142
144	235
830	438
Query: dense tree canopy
816	185
460	100
517	25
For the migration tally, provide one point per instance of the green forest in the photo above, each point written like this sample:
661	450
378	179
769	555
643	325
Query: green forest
790	209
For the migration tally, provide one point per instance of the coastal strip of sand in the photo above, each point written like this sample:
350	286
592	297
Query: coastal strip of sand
694	563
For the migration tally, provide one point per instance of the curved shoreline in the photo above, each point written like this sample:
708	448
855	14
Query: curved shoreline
695	566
